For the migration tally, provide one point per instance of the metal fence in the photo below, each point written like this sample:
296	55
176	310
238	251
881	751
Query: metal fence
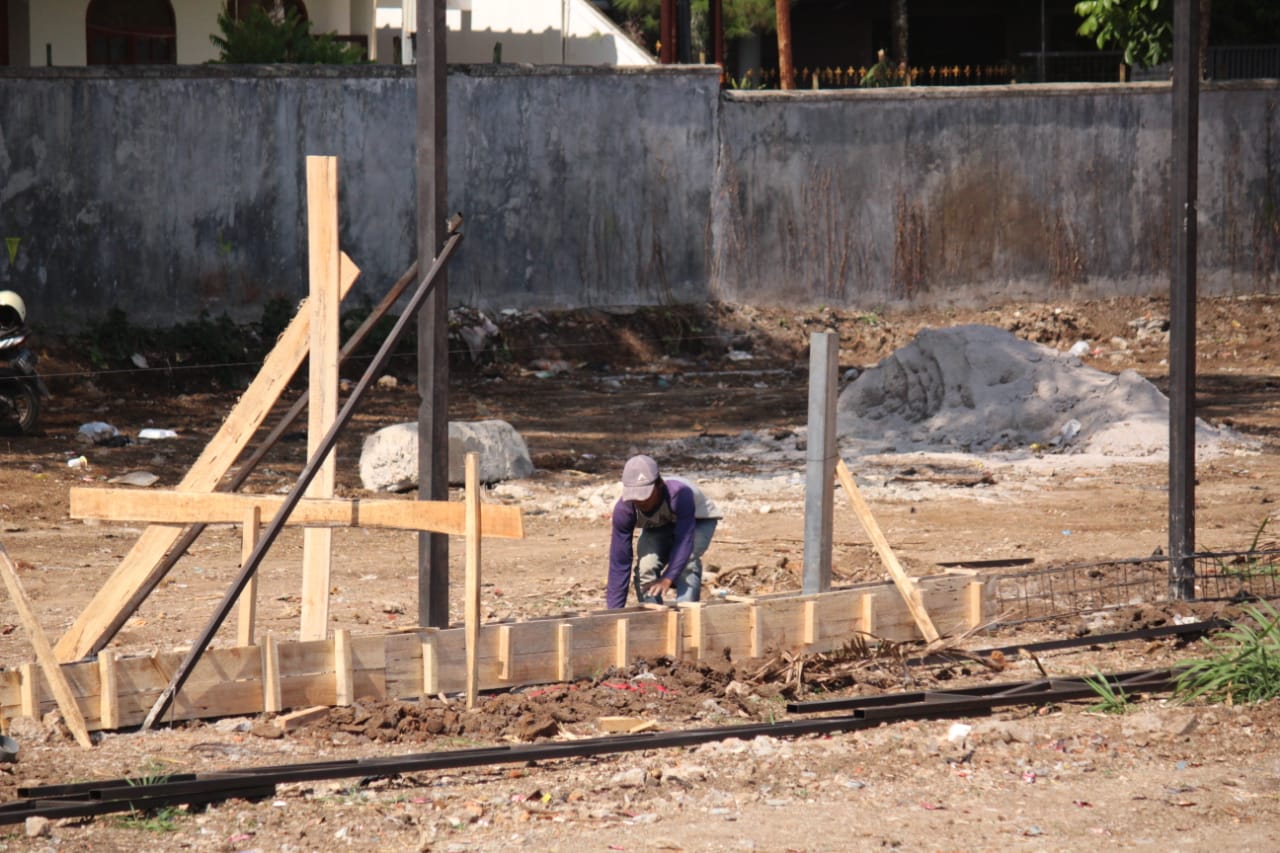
1053	593
1086	66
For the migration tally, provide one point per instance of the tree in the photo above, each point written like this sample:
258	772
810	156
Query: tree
278	36
1143	29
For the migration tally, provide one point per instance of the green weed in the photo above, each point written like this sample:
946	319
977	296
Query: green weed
1112	698
1245	666
163	819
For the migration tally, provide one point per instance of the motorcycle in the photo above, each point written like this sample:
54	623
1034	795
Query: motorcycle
21	388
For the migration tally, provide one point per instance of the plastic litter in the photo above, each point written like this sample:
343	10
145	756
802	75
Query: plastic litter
156	434
97	432
1079	349
78	462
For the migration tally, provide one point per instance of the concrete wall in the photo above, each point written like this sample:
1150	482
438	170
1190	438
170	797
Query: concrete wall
167	192
982	194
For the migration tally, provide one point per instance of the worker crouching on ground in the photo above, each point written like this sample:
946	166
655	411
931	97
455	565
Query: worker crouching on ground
676	524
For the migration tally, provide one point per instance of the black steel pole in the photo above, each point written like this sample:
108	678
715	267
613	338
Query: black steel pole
433	322
1182	302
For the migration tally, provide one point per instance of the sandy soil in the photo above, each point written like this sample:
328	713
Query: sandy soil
719	394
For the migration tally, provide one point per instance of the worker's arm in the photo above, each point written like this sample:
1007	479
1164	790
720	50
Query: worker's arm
682	544
624	524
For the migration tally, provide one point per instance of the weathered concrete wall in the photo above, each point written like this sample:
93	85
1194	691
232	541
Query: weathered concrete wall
986	194
167	192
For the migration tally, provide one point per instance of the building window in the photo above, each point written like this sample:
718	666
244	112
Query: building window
131	32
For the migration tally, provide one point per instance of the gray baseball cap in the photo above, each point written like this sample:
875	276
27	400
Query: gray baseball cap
638	477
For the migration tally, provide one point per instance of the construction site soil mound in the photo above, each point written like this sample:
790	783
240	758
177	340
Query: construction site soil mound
727	406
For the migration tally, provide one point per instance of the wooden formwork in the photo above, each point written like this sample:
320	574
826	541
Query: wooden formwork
117	691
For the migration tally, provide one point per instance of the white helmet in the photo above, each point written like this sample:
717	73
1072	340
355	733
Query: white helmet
11	303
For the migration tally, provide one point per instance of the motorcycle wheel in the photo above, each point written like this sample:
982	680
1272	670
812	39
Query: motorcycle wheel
26	407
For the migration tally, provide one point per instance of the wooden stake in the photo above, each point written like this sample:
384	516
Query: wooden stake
44	654
30	697
910	593
272	698
621	643
755	625
564	652
344	676
504	652
867	614
693	612
430	664
108	702
810	635
472	605
248	604
973	603
675	646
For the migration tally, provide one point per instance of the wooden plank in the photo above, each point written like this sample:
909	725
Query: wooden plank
471	622
867	613
44	653
675	645
322	369
138	573
343	668
910	594
108	702
185	507
272	700
564	652
306	716
974	599
248	602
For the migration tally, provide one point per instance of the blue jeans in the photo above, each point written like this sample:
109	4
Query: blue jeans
653	549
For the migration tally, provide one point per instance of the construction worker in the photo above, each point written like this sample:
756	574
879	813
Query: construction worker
676	522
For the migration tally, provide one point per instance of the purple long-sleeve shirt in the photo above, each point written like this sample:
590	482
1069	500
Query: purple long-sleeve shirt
679	496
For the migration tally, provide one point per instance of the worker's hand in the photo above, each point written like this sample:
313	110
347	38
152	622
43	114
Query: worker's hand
657	588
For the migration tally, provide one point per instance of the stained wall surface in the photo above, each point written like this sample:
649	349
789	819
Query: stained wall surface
168	192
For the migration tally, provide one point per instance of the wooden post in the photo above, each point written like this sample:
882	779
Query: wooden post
248	604
108	701
810	635
973	603
504	652
344	689
674	644
755	626
622	643
910	593
44	654
272	698
564	652
430	664
29	690
697	639
322	366
472	605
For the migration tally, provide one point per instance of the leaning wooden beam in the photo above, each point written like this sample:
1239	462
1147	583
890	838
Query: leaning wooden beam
307	474
910	594
44	653
136	575
242	680
181	508
322	370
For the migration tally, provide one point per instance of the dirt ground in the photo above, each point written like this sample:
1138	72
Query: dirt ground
585	390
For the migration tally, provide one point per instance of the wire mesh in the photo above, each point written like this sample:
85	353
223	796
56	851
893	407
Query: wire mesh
1056	592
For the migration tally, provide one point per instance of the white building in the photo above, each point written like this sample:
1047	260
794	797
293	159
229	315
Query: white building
133	32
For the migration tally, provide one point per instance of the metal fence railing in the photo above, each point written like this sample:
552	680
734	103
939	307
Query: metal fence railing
1085	66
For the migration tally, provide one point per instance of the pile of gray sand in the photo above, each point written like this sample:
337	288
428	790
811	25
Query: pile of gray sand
980	388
